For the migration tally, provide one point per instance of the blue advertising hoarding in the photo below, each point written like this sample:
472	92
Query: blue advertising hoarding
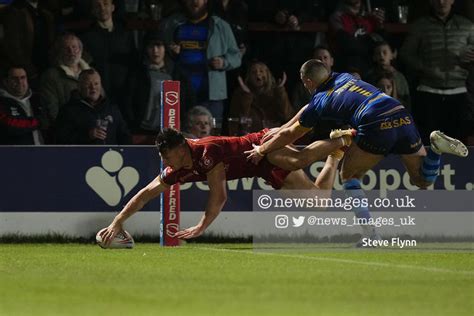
75	179
103	179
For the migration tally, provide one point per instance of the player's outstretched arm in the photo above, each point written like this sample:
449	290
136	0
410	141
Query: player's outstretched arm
216	180
136	203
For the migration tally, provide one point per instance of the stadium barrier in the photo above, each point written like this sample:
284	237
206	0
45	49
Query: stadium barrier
76	190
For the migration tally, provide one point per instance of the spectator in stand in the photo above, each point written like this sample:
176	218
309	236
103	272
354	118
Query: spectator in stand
112	49
205	47
325	55
59	81
353	34
259	102
436	49
89	118
386	83
142	109
383	58
20	112
199	122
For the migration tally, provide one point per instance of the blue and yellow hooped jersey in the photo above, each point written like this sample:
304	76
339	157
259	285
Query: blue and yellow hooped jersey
348	100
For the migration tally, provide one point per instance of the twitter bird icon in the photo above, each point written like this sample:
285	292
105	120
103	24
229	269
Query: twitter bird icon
298	221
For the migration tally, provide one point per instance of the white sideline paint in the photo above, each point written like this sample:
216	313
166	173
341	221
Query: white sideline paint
367	263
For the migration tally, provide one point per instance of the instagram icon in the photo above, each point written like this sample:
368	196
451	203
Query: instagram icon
281	221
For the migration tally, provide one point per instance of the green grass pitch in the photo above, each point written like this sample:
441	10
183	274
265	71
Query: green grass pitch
233	279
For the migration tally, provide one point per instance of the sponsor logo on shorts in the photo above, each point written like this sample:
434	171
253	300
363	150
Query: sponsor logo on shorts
396	123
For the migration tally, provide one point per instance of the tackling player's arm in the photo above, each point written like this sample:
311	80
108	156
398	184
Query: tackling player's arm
216	180
295	118
275	130
136	203
283	137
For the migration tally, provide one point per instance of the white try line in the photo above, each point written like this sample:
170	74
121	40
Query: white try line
367	263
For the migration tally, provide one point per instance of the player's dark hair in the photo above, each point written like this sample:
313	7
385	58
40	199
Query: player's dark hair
169	138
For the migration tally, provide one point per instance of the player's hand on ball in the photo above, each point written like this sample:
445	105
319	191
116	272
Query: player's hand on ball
191	232
254	154
110	232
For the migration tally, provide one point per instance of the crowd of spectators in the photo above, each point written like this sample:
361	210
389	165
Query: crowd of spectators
79	72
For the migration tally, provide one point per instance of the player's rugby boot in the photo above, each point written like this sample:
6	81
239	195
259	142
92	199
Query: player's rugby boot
442	143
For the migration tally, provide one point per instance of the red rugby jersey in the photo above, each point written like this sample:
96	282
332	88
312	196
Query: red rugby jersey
209	151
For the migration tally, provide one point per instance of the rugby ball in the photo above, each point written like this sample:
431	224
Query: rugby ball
123	240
